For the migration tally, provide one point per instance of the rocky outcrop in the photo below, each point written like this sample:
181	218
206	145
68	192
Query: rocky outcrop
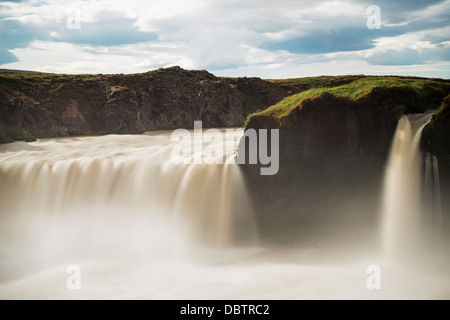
46	105
333	152
258	93
436	140
436	135
327	125
72	118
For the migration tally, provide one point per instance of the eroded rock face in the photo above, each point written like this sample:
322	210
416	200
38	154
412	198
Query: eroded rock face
436	140
175	98
258	94
100	104
72	118
436	135
121	110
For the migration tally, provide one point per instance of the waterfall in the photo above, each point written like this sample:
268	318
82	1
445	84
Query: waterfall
432	197
94	194
410	198
139	226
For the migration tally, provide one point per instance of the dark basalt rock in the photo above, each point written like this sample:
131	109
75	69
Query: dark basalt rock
52	105
333	152
436	140
258	93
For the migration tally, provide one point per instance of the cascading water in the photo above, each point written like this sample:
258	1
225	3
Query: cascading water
140	226
99	194
406	213
432	197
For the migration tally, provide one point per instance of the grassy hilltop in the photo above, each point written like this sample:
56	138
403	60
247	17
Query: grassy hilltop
426	94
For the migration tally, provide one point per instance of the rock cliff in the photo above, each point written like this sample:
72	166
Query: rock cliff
436	140
34	105
333	150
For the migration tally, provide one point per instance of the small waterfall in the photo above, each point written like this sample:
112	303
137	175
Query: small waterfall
432	197
410	198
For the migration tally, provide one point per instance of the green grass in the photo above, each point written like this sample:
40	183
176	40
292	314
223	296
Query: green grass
16	133
29	75
27	80
353	90
37	83
296	85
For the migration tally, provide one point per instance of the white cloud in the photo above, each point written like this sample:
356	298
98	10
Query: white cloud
405	48
341	67
60	57
431	13
224	35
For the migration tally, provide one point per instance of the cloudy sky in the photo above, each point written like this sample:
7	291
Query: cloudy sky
265	38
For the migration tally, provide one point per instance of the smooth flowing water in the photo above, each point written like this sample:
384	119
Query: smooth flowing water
137	225
411	210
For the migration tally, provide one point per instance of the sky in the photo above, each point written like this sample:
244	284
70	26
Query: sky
262	38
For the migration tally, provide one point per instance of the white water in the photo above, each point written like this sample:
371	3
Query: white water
411	195
432	199
139	226
70	189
